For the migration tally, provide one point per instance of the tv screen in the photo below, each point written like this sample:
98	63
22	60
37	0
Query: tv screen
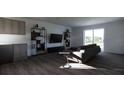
55	38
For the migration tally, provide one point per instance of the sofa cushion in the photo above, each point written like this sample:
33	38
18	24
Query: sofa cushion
75	48
87	46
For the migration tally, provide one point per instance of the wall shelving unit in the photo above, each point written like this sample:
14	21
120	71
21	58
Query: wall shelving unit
67	39
38	40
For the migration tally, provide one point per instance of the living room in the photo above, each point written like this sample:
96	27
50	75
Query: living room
61	46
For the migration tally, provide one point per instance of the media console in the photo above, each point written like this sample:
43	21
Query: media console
55	49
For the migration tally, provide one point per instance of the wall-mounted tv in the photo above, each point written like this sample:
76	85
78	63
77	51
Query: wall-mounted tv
55	38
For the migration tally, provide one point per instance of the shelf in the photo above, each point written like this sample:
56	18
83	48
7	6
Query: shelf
39	37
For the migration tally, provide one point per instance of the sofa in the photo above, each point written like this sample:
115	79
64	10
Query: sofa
90	51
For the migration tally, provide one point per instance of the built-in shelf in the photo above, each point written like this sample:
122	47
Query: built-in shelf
38	40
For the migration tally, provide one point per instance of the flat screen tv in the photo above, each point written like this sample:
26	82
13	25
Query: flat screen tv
55	38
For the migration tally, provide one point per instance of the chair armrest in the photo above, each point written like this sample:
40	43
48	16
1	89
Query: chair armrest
79	53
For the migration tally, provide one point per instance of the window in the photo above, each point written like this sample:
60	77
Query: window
94	36
88	37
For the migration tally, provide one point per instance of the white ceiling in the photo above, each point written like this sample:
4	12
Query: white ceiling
77	21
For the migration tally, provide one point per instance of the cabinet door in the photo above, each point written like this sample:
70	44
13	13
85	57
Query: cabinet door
14	27
20	52
6	53
21	27
7	26
1	26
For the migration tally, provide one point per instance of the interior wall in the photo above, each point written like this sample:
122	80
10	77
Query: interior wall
113	36
77	37
18	39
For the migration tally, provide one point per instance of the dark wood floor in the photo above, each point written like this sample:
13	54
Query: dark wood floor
48	64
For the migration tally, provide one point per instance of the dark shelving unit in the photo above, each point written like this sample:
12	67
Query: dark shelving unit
67	39
38	40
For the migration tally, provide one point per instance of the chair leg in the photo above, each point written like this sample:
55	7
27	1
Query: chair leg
79	61
68	65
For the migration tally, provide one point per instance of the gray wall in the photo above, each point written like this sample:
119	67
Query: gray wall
113	37
76	37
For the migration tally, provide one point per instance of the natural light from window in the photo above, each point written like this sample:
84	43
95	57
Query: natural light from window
94	36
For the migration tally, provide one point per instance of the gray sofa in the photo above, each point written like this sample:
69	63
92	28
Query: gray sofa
90	51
